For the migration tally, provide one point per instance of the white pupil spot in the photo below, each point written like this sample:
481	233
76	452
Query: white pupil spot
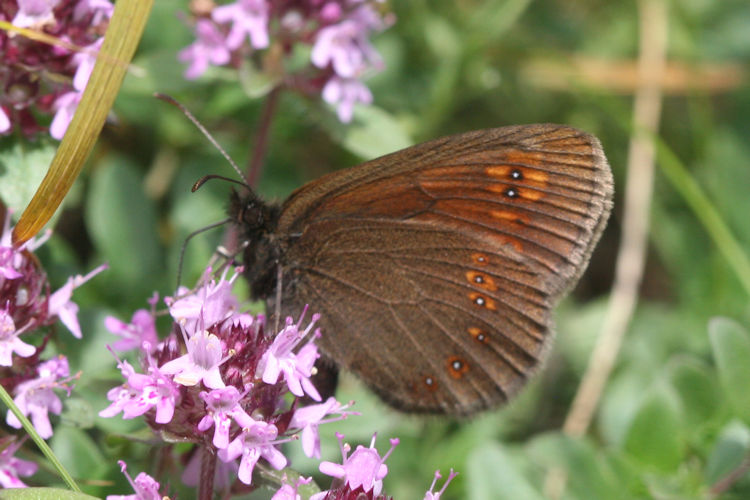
478	279
479	301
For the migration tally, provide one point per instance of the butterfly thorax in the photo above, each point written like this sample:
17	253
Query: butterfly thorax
257	221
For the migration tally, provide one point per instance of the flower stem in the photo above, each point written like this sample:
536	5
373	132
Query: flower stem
261	141
208	471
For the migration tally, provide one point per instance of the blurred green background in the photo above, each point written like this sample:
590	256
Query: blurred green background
675	415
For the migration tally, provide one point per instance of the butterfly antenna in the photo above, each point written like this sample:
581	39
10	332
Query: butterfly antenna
188	238
206	133
200	182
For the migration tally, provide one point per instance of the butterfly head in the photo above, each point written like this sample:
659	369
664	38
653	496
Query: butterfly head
257	221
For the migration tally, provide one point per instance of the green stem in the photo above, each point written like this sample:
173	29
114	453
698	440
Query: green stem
705	211
46	450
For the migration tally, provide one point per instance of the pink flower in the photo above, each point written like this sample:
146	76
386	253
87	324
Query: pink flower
210	304
85	61
308	418
141	331
145	487
4	121
23	286
11	467
289	492
200	364
9	341
210	47
34	13
364	468
60	303
36	397
435	495
344	93
345	47
223	407
249	18
141	393
98	9
297	368
255	441
66	106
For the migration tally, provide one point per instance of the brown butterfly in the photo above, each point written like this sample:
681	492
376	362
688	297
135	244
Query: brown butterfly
436	268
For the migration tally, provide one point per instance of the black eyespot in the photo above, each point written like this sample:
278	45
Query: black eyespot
479	301
511	193
516	175
479	279
457	365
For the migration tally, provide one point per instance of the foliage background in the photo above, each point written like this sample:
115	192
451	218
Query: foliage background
673	422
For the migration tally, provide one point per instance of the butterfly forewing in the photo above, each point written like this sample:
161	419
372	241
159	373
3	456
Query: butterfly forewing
435	268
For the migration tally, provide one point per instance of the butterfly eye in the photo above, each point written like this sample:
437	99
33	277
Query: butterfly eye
480	259
484	281
457	367
516	175
479	335
482	301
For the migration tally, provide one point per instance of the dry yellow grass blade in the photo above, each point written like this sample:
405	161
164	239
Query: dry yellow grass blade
120	42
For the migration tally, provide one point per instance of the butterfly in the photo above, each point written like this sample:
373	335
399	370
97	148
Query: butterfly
435	269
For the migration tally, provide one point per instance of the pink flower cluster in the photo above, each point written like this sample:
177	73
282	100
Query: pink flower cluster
35	76
220	369
337	32
26	305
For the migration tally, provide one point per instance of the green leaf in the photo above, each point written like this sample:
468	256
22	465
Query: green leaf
620	405
255	83
78	452
730	343
698	389
42	494
374	132
656	437
494	474
589	474
78	413
122	222
730	450
22	168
